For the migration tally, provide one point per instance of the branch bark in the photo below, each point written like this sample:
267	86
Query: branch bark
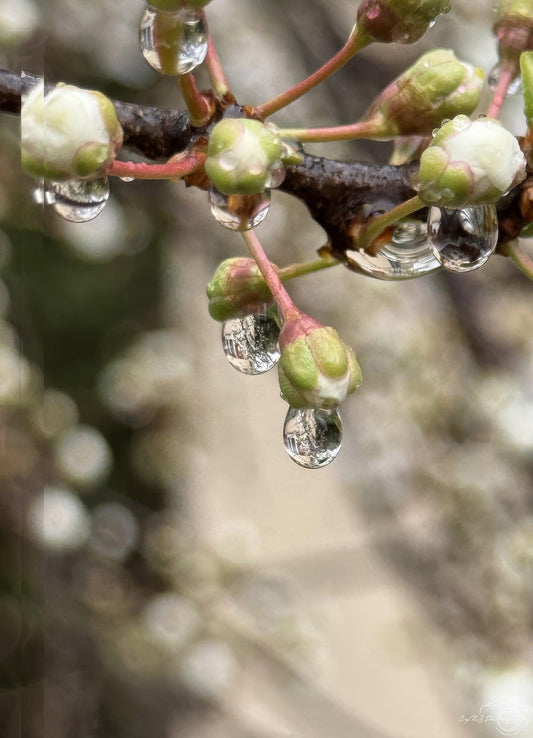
340	195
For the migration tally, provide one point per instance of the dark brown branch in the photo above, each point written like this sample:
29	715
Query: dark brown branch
339	195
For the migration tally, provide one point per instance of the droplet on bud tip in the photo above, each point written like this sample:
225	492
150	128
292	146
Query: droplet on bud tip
312	438
463	240
77	200
251	342
173	43
239	212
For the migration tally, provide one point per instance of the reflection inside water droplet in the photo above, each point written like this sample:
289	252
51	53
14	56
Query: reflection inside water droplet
251	343
78	200
173	43
406	256
312	437
239	212
463	240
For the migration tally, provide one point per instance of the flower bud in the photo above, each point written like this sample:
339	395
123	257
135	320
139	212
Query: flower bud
435	87
172	5
470	163
399	21
316	369
514	28
242	155
236	288
68	133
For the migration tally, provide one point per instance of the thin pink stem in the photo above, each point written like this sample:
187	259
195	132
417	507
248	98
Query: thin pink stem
270	274
214	67
362	129
507	74
170	170
354	44
200	108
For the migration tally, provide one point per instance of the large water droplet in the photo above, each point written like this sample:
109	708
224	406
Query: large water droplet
239	212
312	437
406	256
463	240
78	200
251	343
494	77
173	43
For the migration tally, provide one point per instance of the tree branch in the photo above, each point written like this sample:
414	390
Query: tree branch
340	196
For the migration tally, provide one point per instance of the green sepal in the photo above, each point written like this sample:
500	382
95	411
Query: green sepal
526	70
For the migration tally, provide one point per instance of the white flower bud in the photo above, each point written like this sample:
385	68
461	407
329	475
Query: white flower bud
470	163
68	133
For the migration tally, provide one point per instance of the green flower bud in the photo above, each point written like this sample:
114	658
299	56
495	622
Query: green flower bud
68	133
316	369
514	28
526	70
172	5
399	21
236	288
242	155
435	87
470	163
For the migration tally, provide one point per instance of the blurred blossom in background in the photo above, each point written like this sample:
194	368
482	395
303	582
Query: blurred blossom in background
165	570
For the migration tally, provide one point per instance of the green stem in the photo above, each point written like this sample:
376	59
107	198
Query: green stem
355	43
362	129
520	258
376	226
270	274
299	270
170	170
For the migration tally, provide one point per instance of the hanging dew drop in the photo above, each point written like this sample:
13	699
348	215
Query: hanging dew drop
312	437
239	212
463	240
78	200
406	256
251	342
173	43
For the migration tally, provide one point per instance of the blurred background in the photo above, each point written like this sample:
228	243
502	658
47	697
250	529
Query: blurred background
165	569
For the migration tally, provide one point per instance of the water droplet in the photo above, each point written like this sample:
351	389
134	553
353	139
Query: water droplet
276	175
127	179
406	256
251	343
173	43
312	437
78	200
463	240
494	77
37	194
239	212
